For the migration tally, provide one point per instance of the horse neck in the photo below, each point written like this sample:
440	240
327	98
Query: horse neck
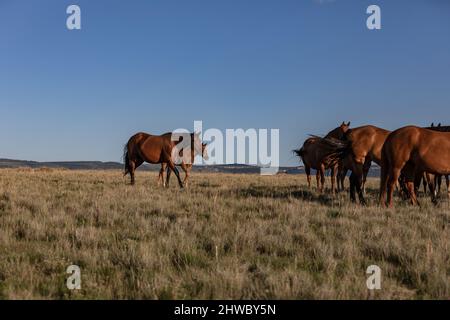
337	133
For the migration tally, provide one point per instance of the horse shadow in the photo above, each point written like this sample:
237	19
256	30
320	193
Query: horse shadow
285	192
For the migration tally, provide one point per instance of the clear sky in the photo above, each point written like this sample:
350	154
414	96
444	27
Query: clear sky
302	66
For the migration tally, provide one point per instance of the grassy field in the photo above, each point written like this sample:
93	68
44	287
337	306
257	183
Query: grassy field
226	237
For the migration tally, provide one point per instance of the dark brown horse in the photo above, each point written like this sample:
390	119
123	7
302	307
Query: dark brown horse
413	151
143	147
358	149
314	156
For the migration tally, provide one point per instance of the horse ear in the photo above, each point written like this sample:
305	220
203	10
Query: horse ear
343	123
348	124
432	124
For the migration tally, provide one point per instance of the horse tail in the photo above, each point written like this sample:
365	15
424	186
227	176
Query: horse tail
126	160
300	152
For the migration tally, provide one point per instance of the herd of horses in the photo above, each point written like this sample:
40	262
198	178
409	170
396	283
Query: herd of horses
407	157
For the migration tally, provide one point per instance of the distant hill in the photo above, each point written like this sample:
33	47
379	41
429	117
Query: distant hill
99	165
71	165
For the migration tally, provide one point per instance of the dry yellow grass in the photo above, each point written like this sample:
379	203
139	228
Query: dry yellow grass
228	236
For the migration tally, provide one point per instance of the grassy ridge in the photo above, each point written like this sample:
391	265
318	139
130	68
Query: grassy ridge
228	236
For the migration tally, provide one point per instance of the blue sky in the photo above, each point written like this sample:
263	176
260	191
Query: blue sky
300	66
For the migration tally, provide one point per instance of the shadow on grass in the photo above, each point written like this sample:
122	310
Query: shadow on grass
285	192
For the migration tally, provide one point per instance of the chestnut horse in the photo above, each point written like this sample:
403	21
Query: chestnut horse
433	182
358	149
414	151
437	179
314	156
143	147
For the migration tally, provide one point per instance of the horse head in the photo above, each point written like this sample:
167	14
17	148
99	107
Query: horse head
339	132
199	146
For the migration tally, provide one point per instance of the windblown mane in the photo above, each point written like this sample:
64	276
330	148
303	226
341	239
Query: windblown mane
440	128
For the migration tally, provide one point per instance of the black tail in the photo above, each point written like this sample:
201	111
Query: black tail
126	160
300	152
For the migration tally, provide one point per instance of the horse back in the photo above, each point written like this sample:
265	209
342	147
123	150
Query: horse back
429	150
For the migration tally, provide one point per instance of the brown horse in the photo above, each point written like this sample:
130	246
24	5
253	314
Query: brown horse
437	179
358	149
414	151
187	167
143	147
314	156
433	182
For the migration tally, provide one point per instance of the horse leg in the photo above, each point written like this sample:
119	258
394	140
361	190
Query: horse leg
394	175
161	175
412	193
344	175
322	177
417	180
366	169
447	181
341	179
358	182
431	181
177	173
338	175
433	193
425	183
168	173
354	166
318	179
131	168
333	179
308	175
438	183
352	187
186	170
383	183
411	175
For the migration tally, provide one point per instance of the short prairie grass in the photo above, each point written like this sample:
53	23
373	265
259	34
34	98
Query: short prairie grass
226	237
